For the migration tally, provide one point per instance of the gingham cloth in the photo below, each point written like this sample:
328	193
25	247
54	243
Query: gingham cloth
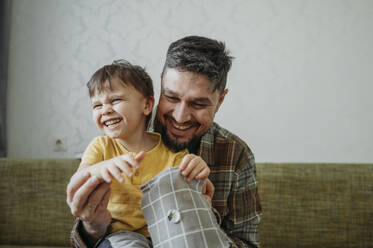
191	222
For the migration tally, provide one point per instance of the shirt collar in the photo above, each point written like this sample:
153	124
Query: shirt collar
206	148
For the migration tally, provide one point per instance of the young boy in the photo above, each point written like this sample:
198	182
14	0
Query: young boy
122	102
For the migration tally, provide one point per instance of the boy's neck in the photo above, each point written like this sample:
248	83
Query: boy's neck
141	142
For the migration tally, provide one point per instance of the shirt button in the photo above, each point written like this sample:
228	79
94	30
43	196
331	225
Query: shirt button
173	216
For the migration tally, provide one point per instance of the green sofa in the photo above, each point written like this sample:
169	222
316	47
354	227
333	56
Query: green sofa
304	205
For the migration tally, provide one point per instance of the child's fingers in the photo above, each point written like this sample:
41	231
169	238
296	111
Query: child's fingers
140	156
193	168
204	173
195	171
185	161
105	175
124	164
95	171
129	161
115	172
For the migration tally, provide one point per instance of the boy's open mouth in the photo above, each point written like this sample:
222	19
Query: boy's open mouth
112	122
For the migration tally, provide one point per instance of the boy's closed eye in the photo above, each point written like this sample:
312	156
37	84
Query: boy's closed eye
116	100
96	106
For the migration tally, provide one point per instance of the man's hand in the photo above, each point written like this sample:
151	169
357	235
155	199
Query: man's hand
115	167
208	190
88	197
194	167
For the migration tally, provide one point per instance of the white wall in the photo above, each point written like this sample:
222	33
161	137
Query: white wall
300	86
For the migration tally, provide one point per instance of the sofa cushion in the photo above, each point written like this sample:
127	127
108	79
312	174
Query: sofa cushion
33	209
316	205
17	246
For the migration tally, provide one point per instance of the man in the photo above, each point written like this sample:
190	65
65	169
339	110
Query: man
193	88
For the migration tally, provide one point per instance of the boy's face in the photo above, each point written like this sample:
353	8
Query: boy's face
120	112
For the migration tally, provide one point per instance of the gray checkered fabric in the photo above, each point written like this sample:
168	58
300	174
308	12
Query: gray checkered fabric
193	225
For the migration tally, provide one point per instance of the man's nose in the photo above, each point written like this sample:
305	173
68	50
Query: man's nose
181	113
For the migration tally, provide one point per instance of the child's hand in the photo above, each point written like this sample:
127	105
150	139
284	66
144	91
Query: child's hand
113	168
193	167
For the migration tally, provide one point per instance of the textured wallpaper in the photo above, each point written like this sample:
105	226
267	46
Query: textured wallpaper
299	89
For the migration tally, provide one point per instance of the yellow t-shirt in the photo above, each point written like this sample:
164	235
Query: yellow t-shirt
125	199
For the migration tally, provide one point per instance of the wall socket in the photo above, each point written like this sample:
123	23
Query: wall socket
59	144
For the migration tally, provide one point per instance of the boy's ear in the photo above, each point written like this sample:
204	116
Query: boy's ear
149	104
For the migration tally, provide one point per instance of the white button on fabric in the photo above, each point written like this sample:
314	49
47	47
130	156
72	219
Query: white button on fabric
173	216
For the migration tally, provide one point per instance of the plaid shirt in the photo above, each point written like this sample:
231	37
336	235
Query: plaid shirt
233	174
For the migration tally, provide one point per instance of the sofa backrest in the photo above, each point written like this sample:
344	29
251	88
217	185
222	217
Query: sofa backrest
33	209
316	205
304	205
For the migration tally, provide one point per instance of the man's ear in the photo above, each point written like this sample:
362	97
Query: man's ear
221	99
149	104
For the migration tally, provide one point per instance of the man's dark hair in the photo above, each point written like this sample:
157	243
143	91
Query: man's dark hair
201	55
127	73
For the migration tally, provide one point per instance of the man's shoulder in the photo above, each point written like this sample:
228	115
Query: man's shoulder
222	135
222	147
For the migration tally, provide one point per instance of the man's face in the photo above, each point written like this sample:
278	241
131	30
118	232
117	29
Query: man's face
187	107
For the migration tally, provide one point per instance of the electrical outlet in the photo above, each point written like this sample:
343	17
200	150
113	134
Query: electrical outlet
59	144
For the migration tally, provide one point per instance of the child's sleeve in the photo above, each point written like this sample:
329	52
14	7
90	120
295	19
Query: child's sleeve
179	157
93	153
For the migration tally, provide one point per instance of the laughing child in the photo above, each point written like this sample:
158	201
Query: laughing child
128	156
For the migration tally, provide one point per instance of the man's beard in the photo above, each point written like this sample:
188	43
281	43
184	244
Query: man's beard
192	145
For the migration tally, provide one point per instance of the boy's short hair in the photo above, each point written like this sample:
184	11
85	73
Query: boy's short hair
201	55
128	74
